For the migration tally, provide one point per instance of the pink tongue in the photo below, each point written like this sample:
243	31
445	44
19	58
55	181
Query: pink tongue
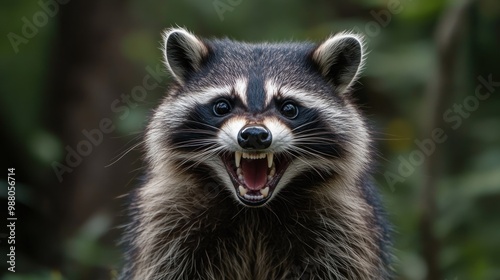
254	172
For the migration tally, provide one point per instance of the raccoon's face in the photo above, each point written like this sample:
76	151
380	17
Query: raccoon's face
258	116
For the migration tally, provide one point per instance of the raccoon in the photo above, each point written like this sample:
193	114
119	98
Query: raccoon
258	166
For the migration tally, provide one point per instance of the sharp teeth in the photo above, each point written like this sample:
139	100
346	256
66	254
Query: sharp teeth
272	172
255	156
270	159
237	158
264	192
254	197
238	171
240	176
242	190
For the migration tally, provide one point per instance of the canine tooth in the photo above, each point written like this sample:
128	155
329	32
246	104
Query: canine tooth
272	172
270	159
242	190
264	191
237	158
238	171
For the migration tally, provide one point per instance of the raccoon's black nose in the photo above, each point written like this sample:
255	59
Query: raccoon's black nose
255	137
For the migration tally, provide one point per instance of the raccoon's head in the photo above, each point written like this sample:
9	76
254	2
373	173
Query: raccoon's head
257	116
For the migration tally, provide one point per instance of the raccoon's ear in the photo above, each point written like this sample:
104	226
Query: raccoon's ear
183	52
340	59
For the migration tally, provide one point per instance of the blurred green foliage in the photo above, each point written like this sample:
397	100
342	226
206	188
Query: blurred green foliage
401	67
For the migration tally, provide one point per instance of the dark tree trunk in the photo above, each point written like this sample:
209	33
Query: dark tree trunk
89	72
441	93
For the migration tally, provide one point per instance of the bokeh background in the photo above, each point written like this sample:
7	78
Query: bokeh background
78	79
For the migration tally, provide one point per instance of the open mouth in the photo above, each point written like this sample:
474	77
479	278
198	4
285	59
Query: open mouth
255	175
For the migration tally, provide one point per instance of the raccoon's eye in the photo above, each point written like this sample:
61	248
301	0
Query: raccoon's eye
289	110
222	107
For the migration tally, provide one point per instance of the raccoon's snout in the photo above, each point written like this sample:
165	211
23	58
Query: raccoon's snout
255	138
